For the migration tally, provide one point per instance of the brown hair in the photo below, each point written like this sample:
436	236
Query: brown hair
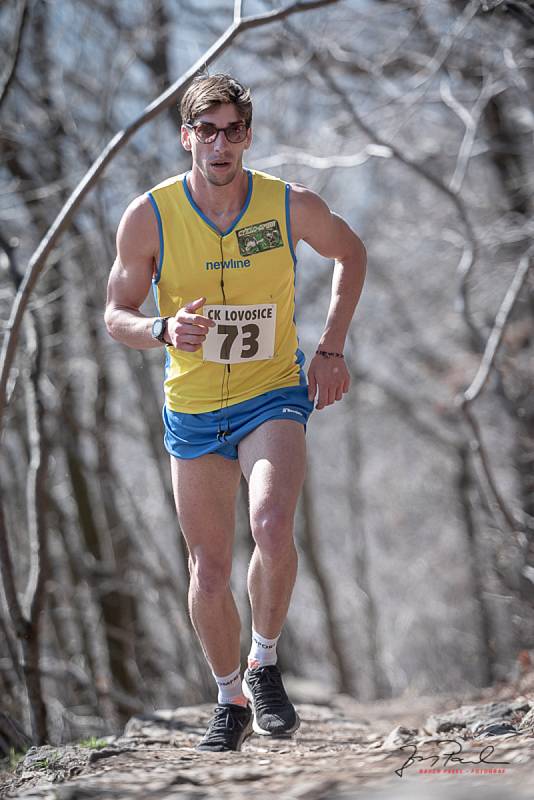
207	91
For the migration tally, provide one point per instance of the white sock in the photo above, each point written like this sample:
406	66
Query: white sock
229	687
262	651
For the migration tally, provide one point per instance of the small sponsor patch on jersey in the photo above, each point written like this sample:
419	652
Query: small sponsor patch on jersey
260	237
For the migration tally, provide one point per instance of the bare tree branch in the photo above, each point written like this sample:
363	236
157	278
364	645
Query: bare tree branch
26	615
8	579
478	447
496	336
164	101
481	378
294	156
445	45
238	9
470	248
34	596
471	120
10	69
324	587
520	9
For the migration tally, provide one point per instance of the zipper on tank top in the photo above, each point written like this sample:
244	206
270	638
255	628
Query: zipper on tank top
226	373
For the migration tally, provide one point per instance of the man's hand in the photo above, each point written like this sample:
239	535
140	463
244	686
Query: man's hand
329	379
187	330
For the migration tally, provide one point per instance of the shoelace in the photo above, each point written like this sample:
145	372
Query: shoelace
271	691
222	722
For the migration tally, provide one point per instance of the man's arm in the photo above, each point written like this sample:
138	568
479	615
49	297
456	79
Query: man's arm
130	281
330	236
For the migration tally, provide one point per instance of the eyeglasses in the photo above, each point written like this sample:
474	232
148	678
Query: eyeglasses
206	133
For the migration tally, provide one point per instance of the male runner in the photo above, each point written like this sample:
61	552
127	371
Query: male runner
218	246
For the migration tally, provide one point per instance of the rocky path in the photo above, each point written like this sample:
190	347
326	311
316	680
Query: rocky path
343	750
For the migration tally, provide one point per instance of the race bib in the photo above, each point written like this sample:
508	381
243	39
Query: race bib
241	333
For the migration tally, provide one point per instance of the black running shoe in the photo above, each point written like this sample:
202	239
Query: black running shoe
274	715
227	729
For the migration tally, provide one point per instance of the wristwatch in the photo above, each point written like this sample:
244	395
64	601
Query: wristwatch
159	326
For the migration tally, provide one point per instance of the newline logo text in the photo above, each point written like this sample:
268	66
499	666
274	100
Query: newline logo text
230	264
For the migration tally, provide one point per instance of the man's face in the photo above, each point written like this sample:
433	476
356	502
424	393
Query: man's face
220	161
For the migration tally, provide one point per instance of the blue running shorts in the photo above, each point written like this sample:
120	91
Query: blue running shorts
194	435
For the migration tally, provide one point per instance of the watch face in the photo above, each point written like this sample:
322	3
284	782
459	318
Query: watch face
158	327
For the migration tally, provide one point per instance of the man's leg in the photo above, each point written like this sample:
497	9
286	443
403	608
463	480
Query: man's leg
273	460
205	492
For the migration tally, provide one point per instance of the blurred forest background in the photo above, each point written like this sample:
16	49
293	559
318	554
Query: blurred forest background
414	120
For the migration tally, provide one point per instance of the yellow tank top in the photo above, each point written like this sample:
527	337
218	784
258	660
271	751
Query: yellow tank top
254	347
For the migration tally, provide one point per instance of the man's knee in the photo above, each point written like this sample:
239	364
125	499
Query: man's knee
272	530
210	575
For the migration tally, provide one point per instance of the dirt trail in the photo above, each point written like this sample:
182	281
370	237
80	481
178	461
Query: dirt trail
343	750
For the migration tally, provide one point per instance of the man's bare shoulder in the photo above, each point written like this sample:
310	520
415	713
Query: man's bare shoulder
304	199
138	226
313	222
172	181
139	211
309	212
140	217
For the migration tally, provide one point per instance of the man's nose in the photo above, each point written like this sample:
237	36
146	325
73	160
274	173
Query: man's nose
220	140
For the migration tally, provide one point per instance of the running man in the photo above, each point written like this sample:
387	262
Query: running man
217	244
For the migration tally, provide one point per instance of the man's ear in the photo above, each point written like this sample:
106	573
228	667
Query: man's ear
248	140
185	138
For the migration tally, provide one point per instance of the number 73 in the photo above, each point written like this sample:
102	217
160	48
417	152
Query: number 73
250	345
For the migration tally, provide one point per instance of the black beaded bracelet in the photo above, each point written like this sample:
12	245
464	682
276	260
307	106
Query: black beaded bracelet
326	354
